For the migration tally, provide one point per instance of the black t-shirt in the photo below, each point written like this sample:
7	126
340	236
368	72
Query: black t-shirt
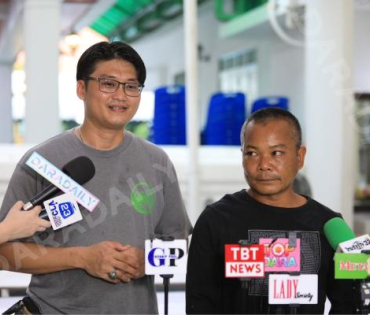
239	217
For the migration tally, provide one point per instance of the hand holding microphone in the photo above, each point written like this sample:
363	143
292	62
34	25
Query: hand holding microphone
19	224
80	169
108	260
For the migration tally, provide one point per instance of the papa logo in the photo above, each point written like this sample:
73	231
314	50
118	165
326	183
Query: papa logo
157	257
61	211
143	198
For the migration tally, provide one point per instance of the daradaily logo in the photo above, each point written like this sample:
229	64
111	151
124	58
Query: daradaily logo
62	181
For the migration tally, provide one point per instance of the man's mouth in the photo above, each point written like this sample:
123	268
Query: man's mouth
118	108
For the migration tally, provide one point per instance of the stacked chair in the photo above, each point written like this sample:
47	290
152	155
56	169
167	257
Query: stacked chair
271	101
169	124
226	115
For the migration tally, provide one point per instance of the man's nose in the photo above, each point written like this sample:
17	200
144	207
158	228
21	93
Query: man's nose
120	93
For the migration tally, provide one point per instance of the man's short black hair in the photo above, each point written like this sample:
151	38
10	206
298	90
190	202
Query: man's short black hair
105	51
267	114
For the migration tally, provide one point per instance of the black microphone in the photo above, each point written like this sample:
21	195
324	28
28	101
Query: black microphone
44	215
81	169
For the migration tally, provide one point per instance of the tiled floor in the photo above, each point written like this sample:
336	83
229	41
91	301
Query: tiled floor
176	298
176	305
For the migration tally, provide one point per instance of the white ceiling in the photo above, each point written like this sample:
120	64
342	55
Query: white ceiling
75	14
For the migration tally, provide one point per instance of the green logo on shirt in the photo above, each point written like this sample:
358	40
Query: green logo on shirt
143	198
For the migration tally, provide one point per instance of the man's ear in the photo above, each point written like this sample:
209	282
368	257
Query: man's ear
301	154
81	89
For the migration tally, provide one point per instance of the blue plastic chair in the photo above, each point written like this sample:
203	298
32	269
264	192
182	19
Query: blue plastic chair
169	124
226	115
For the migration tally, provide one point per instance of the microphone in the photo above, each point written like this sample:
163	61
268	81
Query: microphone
166	256
81	169
351	262
340	236
337	231
44	215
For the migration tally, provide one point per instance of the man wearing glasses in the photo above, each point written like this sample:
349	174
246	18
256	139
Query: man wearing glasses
97	265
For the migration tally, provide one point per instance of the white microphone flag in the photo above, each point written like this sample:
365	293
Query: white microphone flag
165	257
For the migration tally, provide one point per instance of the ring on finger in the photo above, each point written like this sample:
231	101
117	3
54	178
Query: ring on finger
113	275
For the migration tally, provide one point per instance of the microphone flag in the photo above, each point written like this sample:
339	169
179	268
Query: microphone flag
62	211
280	256
244	261
355	245
62	181
351	266
293	289
165	257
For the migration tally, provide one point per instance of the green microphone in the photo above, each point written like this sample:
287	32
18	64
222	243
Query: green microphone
337	231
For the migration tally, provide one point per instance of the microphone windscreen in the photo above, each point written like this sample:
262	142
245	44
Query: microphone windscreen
337	231
81	169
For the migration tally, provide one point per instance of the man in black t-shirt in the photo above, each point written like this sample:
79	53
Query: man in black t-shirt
270	212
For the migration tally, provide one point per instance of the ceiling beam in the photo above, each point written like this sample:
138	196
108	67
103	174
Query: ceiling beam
94	13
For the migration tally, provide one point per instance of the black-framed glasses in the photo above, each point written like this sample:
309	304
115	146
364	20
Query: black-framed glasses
108	85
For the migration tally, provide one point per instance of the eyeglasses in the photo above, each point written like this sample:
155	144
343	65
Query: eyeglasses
110	86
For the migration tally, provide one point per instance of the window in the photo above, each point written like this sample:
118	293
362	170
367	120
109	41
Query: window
238	72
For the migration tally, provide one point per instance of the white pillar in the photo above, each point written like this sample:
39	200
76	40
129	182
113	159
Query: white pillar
41	38
330	131
192	124
6	126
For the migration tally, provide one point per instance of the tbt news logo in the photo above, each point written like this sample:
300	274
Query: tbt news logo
62	211
165	257
244	261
